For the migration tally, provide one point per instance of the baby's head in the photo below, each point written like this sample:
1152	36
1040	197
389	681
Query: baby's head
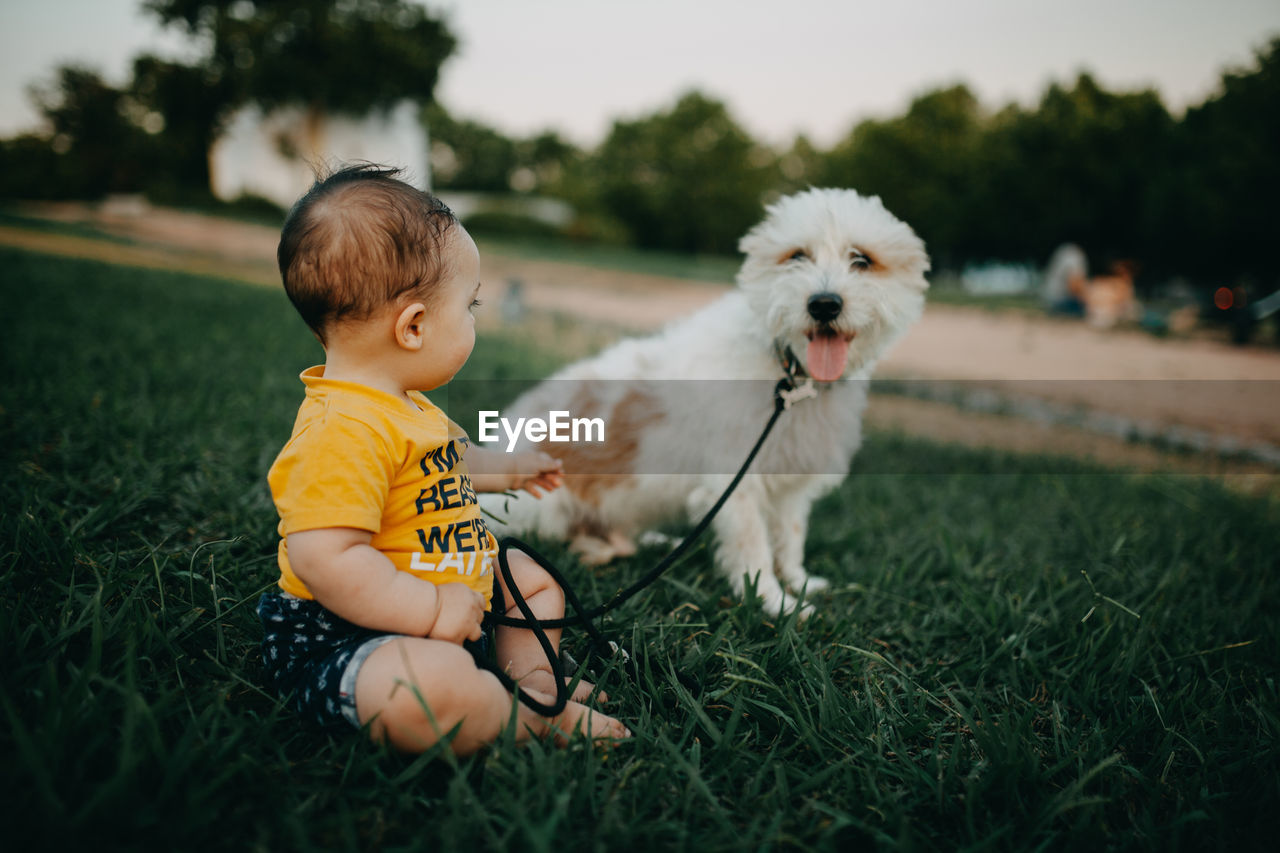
361	241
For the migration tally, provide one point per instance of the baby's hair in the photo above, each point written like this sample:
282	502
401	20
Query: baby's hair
360	239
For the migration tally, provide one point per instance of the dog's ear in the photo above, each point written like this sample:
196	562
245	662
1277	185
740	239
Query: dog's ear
752	242
756	240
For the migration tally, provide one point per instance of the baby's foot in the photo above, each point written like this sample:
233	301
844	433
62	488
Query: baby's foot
577	720
544	682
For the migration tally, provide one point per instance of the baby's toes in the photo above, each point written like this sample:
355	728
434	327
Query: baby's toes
583	691
580	721
601	727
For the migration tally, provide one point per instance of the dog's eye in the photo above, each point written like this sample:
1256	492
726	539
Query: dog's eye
797	255
859	261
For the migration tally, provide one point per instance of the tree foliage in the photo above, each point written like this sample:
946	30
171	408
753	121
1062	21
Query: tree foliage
1219	202
920	164
95	146
467	154
689	178
154	132
189	104
1081	167
332	55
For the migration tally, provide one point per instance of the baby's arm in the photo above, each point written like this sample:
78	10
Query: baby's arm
531	470
353	579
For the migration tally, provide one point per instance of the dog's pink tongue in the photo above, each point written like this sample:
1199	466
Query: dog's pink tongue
827	356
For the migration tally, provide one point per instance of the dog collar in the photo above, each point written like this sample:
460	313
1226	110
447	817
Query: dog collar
795	385
787	360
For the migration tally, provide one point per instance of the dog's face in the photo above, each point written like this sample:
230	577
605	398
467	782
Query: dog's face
835	276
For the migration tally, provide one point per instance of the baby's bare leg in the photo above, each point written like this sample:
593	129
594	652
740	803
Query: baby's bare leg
518	650
415	691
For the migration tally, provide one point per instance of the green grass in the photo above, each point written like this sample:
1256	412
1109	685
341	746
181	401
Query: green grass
717	269
966	686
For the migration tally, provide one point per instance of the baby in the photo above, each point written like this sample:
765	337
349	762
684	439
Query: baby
386	565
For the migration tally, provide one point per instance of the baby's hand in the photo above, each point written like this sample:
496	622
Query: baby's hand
459	610
536	471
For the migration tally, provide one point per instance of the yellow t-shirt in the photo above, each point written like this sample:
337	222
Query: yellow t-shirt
363	458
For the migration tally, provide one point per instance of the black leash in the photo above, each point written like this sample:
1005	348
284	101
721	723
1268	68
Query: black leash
785	393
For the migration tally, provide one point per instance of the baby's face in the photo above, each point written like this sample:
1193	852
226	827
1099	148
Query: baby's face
451	325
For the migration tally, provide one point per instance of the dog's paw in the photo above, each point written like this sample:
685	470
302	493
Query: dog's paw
778	603
595	551
623	545
656	539
798	580
774	600
811	585
591	550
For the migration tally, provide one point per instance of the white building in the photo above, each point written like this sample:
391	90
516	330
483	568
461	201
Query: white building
275	155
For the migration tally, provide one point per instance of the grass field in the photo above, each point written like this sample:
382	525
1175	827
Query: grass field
965	686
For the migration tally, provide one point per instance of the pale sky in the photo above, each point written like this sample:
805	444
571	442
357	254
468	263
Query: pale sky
783	67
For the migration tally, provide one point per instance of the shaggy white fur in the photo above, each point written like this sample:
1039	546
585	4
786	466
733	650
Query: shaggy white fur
830	276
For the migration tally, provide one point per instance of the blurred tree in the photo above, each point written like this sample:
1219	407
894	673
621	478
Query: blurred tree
186	104
688	179
1081	167
97	148
1216	205
154	134
30	168
468	155
801	166
545	157
921	166
345	56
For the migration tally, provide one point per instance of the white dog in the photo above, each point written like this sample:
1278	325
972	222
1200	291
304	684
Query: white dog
830	280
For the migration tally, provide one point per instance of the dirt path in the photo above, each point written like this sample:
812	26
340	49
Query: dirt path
1198	385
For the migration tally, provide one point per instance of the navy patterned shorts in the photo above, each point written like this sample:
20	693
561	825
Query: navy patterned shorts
312	657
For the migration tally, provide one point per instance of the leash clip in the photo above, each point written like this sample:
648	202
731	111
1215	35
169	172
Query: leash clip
614	648
796	393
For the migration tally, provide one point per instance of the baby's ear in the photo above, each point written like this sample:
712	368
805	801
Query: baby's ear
411	326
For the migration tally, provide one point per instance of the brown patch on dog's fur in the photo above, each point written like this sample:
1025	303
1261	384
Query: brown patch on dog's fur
591	468
873	264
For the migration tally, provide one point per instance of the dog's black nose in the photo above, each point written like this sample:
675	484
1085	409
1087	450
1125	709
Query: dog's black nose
825	307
